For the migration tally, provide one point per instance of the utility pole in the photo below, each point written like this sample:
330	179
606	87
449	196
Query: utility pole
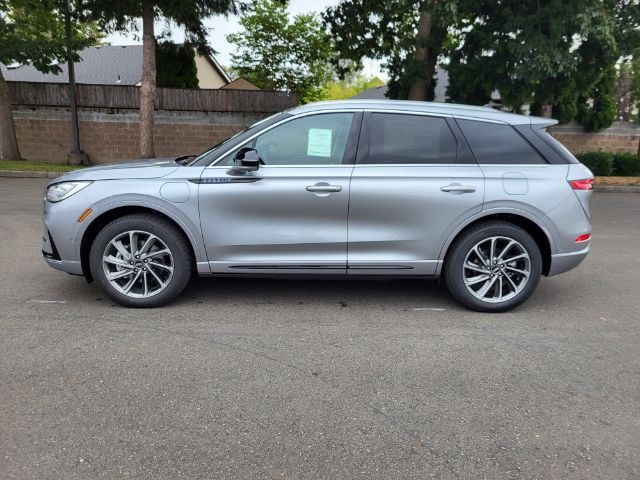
76	156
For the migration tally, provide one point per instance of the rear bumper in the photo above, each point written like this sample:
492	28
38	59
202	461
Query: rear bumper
563	262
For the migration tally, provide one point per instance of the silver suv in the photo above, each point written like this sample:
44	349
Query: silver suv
485	200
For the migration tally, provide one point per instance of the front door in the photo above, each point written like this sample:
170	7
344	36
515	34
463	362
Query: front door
414	182
289	216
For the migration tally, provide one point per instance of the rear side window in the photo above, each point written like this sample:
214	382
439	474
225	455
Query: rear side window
498	144
410	139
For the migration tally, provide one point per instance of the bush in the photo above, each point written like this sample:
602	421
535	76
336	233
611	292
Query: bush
626	165
600	163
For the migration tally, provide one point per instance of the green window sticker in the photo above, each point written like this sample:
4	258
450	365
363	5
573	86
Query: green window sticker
319	142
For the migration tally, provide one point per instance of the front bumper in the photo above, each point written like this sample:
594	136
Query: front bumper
61	231
69	266
563	262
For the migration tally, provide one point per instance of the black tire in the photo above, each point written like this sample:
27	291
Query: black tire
453	268
167	232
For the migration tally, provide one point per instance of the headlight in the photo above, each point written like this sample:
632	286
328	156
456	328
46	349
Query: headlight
60	191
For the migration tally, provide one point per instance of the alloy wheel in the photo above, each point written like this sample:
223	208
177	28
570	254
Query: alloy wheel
496	269
138	264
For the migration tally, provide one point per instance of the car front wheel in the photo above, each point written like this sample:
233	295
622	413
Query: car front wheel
493	267
141	260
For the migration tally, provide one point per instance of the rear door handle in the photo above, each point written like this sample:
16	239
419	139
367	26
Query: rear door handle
458	188
324	188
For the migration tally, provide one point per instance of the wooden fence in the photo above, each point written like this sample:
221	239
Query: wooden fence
36	94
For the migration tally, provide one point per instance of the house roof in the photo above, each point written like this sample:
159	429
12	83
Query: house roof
107	64
380	93
104	65
240	83
216	65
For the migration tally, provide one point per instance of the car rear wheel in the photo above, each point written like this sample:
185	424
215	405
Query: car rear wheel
141	260
493	267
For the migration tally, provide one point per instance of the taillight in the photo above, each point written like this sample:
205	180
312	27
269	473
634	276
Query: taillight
585	237
586	184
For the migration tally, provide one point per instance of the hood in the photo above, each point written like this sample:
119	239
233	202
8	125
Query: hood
152	168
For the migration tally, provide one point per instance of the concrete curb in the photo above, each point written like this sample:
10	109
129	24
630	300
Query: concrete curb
30	174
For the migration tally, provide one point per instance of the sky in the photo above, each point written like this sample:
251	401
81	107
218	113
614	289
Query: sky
220	27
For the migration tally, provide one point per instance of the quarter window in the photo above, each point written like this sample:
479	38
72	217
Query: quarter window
498	144
410	139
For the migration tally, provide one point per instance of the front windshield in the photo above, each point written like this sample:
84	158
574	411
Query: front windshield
206	157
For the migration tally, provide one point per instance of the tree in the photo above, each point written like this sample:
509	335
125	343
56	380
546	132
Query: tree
407	35
176	65
544	53
597	108
33	31
347	88
275	52
120	15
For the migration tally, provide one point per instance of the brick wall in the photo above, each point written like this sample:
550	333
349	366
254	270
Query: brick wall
111	135
620	137
44	134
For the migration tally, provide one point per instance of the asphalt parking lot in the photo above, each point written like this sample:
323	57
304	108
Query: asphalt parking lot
314	379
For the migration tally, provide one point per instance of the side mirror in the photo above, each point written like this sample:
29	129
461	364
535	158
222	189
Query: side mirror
246	160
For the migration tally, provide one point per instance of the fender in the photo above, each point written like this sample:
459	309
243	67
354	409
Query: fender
152	203
486	213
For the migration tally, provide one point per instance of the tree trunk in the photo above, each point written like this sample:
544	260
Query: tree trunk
8	142
420	86
148	88
546	110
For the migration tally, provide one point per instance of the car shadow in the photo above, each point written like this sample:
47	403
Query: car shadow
256	291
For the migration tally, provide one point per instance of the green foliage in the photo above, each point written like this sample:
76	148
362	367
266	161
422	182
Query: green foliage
389	31
626	165
275	52
600	163
635	82
565	106
527	51
176	66
189	15
597	109
604	164
33	31
341	89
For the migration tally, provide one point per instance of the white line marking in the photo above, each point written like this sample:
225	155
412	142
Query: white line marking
48	301
432	309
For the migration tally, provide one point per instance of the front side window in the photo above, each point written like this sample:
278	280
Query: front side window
498	144
312	140
410	139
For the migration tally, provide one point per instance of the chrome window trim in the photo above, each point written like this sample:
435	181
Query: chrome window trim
213	163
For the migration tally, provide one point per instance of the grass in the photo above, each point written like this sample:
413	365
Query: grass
626	181
26	165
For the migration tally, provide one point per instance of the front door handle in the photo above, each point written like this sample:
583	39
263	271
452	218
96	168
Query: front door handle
324	188
458	188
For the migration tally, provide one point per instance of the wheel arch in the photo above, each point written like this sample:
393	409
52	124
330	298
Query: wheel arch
106	216
527	222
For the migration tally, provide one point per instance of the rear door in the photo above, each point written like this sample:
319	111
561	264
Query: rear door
415	180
